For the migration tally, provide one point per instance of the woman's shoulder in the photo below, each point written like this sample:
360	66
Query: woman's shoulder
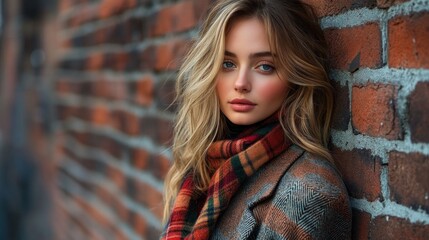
312	182
312	197
313	172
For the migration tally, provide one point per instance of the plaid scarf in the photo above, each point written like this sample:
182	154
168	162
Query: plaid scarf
195	214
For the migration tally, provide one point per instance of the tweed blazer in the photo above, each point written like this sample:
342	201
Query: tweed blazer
294	196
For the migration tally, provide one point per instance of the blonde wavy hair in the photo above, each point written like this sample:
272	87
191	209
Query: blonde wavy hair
297	42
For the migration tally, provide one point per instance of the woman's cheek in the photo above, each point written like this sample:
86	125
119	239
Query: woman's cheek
273	90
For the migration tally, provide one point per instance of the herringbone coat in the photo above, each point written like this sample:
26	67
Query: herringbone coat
295	196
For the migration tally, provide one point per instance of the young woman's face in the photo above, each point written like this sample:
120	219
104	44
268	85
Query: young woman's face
247	85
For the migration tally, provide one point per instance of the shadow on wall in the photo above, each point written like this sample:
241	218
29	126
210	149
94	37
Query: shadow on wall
24	201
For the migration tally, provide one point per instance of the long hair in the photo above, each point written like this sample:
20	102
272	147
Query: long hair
300	53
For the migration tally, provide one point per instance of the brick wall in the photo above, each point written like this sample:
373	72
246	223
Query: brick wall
380	69
117	61
116	74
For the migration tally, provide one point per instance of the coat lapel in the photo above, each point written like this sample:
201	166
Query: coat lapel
270	176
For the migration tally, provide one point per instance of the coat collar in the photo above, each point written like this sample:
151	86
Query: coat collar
276	170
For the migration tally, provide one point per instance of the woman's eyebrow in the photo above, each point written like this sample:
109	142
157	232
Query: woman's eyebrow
261	54
252	55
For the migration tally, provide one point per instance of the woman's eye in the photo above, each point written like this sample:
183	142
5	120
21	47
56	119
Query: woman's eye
228	65
266	68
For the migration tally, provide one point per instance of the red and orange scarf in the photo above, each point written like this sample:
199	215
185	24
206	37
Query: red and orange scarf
195	214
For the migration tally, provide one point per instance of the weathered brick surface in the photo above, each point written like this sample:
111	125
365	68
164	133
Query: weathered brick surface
390	228
374	111
157	165
341	114
361	172
409	179
408	41
143	91
351	48
145	194
361	223
330	7
174	18
113	7
389	3
419	113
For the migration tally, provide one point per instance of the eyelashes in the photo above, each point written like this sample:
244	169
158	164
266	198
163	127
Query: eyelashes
227	65
263	67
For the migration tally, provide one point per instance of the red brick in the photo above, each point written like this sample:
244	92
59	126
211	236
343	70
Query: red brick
116	176
165	132
165	58
66	44
200	8
68	112
165	93
389	227
409	179
140	158
146	195
109	145
112	7
104	195
119	235
93	213
65	5
329	7
389	3
341	113
78	225
81	137
148	58
87	14
170	54
120	209
158	129
360	224
132	126
66	87
120	61
144	91
360	45
408	41
95	61
160	166
100	115
361	172
126	122
101	88
174	18
138	223
117	89
419	113
374	110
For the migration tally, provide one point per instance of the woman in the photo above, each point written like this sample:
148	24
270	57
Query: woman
250	144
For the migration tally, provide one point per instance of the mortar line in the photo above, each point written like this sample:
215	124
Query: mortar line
100	180
96	203
389	208
97	154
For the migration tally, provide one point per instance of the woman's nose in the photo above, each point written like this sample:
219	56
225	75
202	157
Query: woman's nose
242	83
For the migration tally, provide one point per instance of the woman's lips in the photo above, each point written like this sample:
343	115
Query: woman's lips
242	105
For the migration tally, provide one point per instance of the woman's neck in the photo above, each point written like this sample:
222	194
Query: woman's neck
233	130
